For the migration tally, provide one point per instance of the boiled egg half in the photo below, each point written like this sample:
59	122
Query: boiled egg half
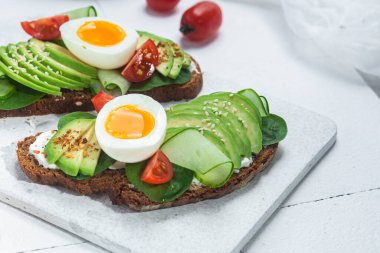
131	128
100	42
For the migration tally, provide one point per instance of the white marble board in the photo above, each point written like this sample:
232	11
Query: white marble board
223	225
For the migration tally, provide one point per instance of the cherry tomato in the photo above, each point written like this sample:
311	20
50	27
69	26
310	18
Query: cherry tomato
143	63
159	169
201	21
162	5
45	28
100	100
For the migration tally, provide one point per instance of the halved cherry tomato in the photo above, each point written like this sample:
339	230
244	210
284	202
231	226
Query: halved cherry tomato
201	21
45	28
142	64
100	100
159	169
162	5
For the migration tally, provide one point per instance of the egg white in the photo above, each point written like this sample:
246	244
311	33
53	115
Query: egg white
132	150
103	57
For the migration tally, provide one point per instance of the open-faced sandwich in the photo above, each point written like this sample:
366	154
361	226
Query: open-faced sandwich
74	55
148	158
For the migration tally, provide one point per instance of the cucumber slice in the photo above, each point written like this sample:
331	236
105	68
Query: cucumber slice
255	99
229	118
6	89
88	11
191	150
112	79
217	126
265	103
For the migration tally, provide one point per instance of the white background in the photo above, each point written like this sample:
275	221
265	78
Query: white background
336	208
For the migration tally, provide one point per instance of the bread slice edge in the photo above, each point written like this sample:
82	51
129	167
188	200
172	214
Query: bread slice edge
122	192
72	101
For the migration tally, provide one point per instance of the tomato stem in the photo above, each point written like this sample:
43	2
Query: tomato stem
186	29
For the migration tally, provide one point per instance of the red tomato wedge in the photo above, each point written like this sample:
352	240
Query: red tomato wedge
100	100
142	64
45	28
159	169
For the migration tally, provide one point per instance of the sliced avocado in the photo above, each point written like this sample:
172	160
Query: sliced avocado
65	57
19	74
186	60
49	62
66	137
210	123
90	157
142	40
166	54
34	70
230	119
243	109
19	79
166	58
71	160
178	61
69	83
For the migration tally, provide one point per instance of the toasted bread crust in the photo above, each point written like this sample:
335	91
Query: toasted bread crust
120	190
72	101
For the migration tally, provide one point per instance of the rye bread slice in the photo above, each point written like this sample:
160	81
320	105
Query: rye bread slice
120	190
72	101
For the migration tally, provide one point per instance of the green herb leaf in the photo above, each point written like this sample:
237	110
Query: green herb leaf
20	98
274	129
74	115
104	163
169	191
158	80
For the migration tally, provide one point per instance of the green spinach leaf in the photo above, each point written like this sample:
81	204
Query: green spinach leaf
169	191
274	129
158	80
74	115
20	98
104	163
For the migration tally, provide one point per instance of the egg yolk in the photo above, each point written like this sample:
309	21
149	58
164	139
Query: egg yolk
101	33
129	122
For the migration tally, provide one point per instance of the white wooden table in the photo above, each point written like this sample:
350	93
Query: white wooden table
336	208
